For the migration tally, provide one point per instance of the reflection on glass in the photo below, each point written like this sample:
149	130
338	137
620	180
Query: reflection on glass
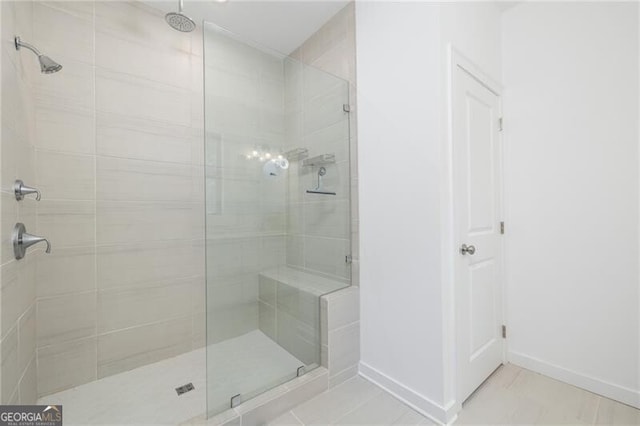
275	129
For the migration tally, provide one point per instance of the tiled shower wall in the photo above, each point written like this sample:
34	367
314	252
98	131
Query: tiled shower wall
114	142
320	232
17	284
332	49
118	151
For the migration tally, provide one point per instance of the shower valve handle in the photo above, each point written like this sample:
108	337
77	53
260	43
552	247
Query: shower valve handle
22	240
20	190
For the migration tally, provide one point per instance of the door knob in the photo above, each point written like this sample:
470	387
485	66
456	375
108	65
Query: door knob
470	250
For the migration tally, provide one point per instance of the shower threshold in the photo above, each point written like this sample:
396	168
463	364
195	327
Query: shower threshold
147	395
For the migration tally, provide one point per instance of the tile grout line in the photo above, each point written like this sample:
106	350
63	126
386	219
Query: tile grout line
296	417
95	187
380	391
596	411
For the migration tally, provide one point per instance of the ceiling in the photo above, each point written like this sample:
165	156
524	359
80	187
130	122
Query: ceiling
279	25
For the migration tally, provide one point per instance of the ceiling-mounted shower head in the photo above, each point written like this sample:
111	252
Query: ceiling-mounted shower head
47	65
179	21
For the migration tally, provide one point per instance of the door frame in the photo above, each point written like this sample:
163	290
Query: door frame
457	60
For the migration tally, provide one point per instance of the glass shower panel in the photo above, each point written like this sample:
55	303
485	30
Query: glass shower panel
277	214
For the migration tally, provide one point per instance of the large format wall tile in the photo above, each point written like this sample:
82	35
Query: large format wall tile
119	309
327	255
65	129
325	128
142	24
66	270
67	223
121	222
66	365
17	291
162	64
65	176
135	180
148	264
78	9
17	283
17	134
142	98
344	348
327	218
72	89
119	143
299	338
8	218
26	338
127	349
9	370
143	139
29	384
65	318
71	36
226	322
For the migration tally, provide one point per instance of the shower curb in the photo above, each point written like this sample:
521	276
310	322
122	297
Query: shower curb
271	404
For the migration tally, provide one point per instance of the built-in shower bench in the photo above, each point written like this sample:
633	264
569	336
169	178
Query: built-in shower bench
303	281
316	319
300	311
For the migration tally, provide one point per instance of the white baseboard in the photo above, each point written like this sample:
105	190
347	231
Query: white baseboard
619	393
418	402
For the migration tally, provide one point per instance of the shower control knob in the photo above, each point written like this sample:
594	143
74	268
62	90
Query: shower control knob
470	250
22	240
20	190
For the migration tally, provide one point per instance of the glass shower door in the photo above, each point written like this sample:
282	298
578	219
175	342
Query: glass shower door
276	150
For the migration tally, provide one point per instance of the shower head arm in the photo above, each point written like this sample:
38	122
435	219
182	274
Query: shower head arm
180	5
20	43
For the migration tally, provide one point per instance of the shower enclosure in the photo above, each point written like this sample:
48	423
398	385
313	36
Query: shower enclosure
277	214
109	156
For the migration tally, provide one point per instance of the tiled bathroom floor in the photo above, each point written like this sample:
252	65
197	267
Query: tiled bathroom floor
356	402
147	396
511	396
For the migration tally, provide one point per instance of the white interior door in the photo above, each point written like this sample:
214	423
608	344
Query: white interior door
477	207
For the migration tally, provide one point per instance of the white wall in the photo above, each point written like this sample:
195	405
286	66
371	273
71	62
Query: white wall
571	132
401	310
404	168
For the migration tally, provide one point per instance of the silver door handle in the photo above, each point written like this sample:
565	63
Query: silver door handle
470	250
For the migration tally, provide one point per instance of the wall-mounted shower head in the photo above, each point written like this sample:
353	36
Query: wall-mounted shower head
179	21
47	65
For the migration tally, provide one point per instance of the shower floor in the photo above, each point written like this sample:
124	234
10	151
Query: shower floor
147	396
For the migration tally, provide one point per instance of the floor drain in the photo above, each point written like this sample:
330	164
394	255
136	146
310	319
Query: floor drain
185	388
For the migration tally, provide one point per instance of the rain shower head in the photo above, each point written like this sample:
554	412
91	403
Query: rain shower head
179	21
47	65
